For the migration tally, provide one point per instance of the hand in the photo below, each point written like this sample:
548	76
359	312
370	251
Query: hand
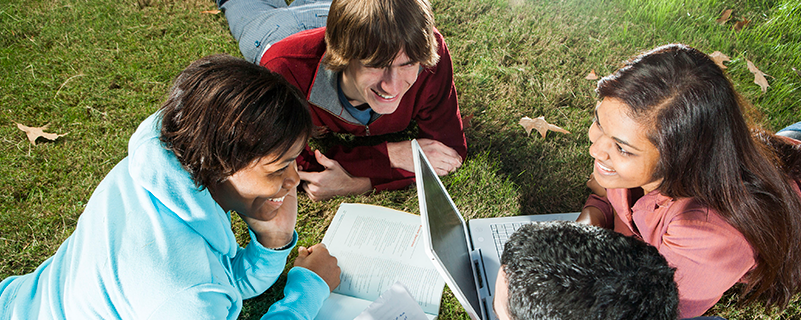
318	260
595	187
333	181
278	231
592	216
443	158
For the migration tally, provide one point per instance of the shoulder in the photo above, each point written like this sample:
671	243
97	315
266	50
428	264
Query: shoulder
304	45
692	224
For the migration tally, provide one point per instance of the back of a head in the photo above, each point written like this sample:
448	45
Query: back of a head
374	31
565	271
224	113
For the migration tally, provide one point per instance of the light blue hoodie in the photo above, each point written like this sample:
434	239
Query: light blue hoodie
151	246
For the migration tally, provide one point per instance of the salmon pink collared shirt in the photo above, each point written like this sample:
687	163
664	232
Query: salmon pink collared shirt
709	254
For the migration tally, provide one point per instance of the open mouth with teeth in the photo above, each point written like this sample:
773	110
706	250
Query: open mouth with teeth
281	199
601	168
384	96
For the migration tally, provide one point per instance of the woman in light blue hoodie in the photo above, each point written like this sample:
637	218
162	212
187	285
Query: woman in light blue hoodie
155	240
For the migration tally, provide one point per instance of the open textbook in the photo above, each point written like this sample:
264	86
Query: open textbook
375	247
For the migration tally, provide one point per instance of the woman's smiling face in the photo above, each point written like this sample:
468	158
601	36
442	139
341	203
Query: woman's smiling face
258	190
624	157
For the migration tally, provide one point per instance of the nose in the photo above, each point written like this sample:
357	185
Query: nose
391	81
291	178
596	150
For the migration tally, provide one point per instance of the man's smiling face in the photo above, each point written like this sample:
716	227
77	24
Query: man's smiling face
381	88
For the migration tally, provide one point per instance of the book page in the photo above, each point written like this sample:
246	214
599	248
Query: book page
341	307
394	304
377	246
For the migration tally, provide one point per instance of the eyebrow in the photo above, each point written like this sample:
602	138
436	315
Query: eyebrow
408	63
618	140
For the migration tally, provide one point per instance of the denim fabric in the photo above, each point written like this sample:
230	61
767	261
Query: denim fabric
257	24
792	131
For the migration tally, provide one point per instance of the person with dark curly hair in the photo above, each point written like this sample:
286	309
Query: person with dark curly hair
565	270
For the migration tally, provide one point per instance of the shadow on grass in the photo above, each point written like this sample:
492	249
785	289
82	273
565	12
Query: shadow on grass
549	173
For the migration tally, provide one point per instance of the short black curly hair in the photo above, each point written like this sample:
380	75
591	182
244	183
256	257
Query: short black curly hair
565	270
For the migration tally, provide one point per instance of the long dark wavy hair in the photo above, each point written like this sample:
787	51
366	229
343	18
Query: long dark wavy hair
224	113
709	153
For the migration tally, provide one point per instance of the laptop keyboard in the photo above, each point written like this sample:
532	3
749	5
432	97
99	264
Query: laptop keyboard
501	233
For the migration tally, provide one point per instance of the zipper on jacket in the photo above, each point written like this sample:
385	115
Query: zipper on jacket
366	127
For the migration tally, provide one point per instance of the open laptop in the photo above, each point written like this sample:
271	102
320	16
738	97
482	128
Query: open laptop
468	259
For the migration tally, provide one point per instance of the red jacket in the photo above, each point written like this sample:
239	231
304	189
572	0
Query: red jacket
430	102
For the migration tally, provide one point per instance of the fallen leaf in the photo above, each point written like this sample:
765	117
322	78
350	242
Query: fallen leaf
759	76
724	16
540	124
210	11
741	24
592	75
466	121
35	133
719	58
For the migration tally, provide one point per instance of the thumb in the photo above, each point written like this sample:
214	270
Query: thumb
303	252
323	160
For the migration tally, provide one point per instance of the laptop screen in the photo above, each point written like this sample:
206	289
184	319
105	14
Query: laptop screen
448	233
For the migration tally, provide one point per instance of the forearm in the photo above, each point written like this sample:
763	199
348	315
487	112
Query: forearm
598	211
304	294
592	216
256	267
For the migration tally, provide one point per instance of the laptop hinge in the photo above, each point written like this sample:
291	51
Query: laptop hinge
484	295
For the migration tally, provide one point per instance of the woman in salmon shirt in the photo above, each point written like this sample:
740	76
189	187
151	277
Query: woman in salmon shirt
677	166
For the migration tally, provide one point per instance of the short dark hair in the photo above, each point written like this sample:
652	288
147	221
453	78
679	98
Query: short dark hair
565	270
374	31
224	113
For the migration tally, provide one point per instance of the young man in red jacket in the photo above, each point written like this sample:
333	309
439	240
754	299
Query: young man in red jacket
376	67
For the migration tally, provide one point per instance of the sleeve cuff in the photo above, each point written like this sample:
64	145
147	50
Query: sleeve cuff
256	245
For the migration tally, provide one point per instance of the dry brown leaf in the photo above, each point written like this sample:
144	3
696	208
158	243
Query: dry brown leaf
719	58
540	124
741	24
591	75
724	16
466	121
35	133
759	76
210	11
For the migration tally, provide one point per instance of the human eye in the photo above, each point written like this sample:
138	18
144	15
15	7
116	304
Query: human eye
622	151
279	171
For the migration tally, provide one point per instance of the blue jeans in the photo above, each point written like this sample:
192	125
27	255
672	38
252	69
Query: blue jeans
792	131
257	24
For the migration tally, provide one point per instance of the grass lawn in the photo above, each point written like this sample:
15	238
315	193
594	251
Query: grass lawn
94	69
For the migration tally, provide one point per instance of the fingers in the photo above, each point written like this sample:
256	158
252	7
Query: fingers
444	159
311	190
323	160
303	252
321	262
595	187
319	247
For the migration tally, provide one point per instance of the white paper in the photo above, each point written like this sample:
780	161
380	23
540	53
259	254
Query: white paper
394	304
376	247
